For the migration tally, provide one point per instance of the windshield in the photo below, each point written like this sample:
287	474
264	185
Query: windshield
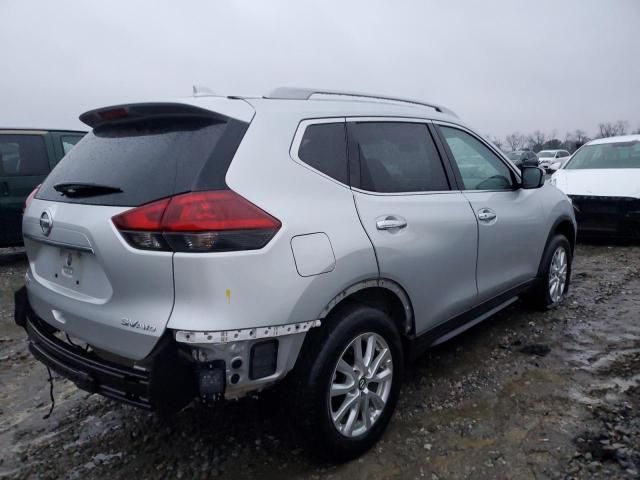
607	155
546	154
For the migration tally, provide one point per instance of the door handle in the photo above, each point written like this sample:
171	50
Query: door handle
486	214
390	223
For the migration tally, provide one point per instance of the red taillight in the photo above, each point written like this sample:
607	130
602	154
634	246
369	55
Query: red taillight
198	221
147	217
215	211
31	197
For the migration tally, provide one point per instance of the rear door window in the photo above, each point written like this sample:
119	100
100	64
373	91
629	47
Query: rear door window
324	147
23	155
147	161
395	157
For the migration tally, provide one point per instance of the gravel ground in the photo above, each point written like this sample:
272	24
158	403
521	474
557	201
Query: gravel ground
523	395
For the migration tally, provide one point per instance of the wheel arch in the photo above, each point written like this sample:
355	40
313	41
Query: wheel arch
564	226
381	293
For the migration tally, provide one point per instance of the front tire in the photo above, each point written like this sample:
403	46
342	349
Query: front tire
347	382
554	275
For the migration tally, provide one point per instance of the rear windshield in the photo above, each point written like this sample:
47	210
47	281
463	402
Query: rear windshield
546	154
147	161
607	155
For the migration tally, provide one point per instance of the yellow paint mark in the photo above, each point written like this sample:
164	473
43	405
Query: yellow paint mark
228	295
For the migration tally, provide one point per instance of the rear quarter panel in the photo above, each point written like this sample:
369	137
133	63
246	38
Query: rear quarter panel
223	291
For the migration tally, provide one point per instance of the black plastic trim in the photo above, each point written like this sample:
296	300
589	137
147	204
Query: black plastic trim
263	359
421	343
87	371
607	217
556	224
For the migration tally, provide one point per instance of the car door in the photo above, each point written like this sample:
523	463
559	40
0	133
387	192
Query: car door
424	232
24	163
509	219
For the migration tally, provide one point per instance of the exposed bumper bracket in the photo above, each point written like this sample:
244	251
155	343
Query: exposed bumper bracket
229	336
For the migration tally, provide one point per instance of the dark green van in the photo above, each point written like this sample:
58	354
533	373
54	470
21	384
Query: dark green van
26	157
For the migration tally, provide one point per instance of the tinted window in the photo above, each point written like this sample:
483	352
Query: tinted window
397	157
480	168
147	161
23	155
324	147
68	142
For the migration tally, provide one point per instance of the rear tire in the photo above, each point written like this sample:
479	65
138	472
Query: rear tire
554	275
342	402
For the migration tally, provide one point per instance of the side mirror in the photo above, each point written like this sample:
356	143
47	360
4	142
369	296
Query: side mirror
532	177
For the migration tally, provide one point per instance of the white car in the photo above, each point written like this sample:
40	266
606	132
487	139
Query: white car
603	181
552	160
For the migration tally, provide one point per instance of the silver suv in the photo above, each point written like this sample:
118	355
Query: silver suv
215	246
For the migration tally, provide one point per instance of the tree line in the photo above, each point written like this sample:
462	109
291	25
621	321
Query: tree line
573	140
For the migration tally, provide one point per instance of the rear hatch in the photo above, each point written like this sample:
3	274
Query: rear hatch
86	278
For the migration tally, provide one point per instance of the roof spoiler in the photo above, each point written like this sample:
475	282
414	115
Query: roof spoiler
136	112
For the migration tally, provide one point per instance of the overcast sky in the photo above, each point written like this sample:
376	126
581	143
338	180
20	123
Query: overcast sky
502	65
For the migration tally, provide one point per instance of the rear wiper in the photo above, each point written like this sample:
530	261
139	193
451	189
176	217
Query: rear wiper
84	189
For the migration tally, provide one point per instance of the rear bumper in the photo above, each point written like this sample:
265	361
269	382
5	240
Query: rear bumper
613	217
167	385
96	376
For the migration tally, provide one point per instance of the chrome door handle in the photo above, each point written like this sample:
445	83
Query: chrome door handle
390	223
486	214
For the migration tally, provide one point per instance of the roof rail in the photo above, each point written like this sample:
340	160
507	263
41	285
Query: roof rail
293	93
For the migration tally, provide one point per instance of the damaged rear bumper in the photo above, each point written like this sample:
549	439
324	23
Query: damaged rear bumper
166	383
122	384
206	365
597	216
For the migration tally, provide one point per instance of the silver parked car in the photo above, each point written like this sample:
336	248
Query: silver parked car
214	246
552	160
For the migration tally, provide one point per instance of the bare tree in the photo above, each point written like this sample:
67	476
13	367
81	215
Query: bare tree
580	136
496	141
574	140
536	140
637	131
609	129
515	141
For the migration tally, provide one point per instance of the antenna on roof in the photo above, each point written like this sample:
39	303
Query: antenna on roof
200	91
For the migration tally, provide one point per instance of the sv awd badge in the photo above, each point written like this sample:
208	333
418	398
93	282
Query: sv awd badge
125	322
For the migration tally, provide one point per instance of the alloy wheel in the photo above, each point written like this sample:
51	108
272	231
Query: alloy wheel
558	274
360	384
